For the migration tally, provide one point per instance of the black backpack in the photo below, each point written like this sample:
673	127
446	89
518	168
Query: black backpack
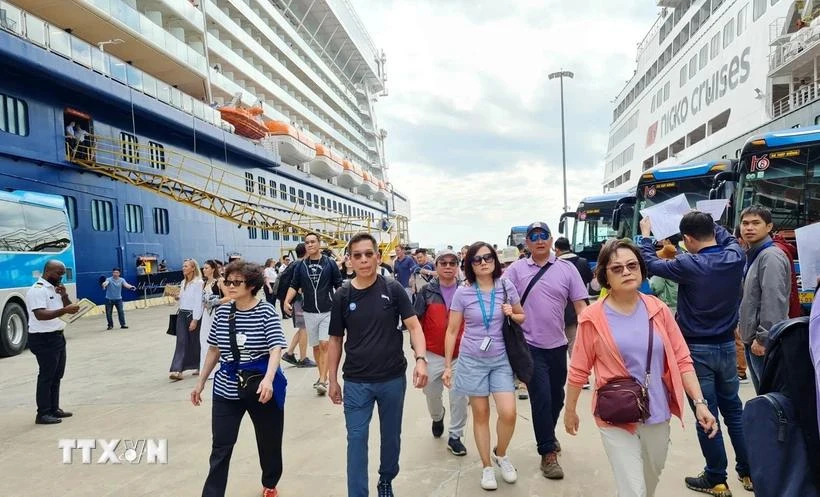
280	288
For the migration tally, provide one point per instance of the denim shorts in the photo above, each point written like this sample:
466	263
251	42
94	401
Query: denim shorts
479	377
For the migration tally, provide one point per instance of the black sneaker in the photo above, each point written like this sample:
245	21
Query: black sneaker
290	359
438	427
48	419
457	448
109	328
702	484
123	327
385	489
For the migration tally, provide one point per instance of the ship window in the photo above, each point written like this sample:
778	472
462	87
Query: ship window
161	224
704	56
71	208
13	115
817	119
249	182
283	191
335	206
262	186
129	147
272	185
133	218
758	9
253	233
715	46
741	19
683	74
275	235
693	66
157	155
286	237
719	122
293	194
301	197
716	4
265	234
102	215
774	2
728	32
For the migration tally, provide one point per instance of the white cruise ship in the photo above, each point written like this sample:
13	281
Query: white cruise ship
709	73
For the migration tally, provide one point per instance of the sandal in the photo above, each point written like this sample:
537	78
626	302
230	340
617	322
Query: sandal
175	376
195	373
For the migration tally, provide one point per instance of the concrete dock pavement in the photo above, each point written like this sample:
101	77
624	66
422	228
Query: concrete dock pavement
117	386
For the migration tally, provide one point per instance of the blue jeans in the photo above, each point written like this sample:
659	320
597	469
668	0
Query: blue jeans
358	405
109	312
755	367
716	367
547	394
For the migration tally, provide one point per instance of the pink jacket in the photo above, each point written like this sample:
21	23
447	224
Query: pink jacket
595	349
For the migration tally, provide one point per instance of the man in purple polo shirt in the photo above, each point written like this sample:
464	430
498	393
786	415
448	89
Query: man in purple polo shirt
544	330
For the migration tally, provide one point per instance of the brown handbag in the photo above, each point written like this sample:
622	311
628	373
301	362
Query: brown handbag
623	399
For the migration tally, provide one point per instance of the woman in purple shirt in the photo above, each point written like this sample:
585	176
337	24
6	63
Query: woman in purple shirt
483	366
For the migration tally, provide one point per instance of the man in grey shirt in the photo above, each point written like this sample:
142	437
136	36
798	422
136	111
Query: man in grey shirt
766	286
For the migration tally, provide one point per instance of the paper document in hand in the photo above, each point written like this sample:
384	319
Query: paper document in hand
713	207
85	306
808	246
666	216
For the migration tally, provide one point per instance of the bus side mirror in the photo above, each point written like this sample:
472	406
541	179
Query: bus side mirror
720	180
616	218
562	223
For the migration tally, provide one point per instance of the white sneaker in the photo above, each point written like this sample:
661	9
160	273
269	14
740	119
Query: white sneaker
488	479
508	472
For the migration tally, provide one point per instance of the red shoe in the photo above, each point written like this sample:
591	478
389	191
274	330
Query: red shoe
270	492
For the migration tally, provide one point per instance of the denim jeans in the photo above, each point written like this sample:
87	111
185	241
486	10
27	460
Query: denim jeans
109	312
358	406
716	368
547	394
755	364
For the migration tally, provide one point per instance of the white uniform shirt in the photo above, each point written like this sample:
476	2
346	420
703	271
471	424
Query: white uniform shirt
42	296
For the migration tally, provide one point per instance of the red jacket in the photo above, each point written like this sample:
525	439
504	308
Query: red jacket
434	315
795	309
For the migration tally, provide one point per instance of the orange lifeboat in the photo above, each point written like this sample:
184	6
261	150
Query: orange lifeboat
294	146
368	186
351	176
326	164
381	193
245	121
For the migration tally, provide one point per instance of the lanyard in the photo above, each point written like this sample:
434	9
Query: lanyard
487	320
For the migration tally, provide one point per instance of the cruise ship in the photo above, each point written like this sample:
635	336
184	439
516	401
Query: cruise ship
195	128
709	73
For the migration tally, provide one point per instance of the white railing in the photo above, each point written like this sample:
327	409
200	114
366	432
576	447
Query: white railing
56	40
347	16
801	41
803	95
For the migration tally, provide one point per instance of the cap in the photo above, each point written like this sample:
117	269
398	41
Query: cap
444	253
508	255
538	226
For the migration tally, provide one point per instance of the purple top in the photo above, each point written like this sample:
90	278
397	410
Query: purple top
631	334
544	307
814	342
448	292
465	301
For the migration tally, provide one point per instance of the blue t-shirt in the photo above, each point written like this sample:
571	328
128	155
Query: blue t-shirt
403	269
114	289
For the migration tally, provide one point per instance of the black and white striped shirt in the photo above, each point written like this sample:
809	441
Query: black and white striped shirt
263	331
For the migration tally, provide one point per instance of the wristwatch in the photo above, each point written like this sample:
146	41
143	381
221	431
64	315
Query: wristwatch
421	358
701	401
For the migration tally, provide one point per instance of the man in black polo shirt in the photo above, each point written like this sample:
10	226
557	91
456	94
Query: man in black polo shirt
367	308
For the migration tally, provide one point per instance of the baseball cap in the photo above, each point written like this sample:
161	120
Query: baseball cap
538	226
508	255
445	253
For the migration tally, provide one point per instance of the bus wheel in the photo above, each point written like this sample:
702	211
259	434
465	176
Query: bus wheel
13	330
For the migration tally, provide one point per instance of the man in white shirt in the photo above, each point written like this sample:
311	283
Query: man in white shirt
46	301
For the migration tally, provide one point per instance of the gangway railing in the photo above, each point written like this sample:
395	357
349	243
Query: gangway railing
201	184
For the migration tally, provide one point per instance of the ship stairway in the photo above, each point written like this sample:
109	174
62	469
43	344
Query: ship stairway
242	200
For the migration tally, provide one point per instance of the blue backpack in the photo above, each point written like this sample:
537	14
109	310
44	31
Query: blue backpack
780	425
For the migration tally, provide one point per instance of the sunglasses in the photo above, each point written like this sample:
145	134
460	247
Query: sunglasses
619	269
477	259
366	255
539	235
235	283
448	263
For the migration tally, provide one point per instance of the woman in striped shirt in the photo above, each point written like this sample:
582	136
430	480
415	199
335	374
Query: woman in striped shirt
259	340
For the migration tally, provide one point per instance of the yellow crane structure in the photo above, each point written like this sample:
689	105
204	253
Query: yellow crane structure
225	194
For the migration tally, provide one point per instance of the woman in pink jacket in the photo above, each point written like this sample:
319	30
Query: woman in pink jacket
612	341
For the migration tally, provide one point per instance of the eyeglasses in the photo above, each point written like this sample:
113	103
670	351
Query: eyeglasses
366	255
235	283
488	258
619	269
539	235
450	263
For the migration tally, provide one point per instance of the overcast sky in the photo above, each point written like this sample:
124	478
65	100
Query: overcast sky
474	126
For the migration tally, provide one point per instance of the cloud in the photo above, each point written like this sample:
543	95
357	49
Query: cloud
474	121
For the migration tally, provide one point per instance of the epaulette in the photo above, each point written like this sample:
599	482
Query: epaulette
38	284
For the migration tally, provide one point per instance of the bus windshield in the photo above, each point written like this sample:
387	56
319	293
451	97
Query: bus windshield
695	188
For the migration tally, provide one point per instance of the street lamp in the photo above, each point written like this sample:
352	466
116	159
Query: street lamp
561	75
101	45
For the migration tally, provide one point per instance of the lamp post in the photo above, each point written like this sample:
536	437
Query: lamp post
561	75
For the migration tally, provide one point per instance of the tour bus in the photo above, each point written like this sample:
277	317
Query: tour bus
518	235
664	182
593	224
34	228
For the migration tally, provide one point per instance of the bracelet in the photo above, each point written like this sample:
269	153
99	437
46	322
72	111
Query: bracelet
421	358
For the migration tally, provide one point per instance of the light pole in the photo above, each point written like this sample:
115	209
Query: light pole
561	75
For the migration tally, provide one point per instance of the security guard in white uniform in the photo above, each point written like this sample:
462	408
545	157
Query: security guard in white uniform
47	300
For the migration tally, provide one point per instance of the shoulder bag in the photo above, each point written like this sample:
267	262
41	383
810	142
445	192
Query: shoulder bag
624	400
172	324
248	380
518	352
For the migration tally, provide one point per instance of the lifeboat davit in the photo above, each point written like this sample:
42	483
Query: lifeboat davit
245	121
326	164
381	193
368	186
351	176
294	146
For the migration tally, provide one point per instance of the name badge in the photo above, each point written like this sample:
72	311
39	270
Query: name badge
241	339
485	344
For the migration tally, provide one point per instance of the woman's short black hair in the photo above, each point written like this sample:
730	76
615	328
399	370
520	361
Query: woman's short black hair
608	251
253	274
469	272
